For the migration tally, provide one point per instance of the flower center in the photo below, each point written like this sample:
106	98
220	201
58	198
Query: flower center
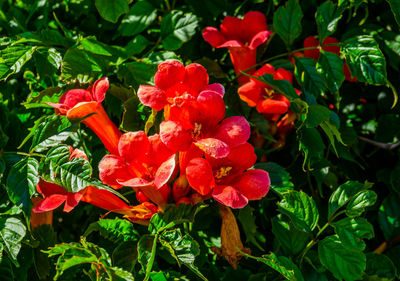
268	93
222	172
196	131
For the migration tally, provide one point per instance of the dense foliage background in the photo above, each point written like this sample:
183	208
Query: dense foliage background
333	211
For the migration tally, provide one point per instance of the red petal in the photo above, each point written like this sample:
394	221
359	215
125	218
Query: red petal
309	42
211	109
113	168
152	96
164	172
174	136
250	93
75	96
136	182
186	156
243	58
165	191
232	44
169	73
103	199
260	38
196	78
229	196
47	188
50	203
159	152
254	22
60	108
332	49
233	131
200	175
232	28
73	200
216	87
242	157
99	89
213	36
77	153
270	106
133	145
213	147
254	184
283	74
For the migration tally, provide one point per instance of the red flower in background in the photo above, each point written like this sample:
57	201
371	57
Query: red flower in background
241	37
311	41
226	179
78	103
143	163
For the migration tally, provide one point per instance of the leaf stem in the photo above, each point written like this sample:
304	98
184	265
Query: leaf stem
24	154
152	257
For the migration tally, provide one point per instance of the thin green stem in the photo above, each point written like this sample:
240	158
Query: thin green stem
24	154
152	257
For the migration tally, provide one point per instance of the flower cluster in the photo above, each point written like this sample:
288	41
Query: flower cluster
198	154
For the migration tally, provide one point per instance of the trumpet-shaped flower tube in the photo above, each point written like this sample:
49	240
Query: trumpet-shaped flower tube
241	37
80	103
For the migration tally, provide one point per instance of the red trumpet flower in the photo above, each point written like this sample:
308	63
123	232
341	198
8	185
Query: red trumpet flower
227	180
80	103
143	163
241	37
327	46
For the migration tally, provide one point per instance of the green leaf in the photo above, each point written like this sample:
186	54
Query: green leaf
389	217
12	231
112	10
177	28
172	216
118	274
280	178
311	144
150	121
136	72
379	266
330	66
13	58
136	45
290	238
301	209
359	202
327	16
352	231
22	181
140	16
51	131
47	61
316	115
46	237
344	263
72	175
131	119
395	7
282	86
145	249
343	194
248	222
51	94
182	248
93	46
287	21
365	59
125	255
116	230
307	73
6	270
273	262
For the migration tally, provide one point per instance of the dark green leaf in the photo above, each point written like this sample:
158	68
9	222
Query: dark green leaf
316	115
290	238
118	274
72	175
136	45
177	28
135	73
13	58
140	16
330	66
51	94
287	21
327	16
116	230
12	231
311	144
22	181
125	255
352	231
301	209
145	248
379	266
248	222
389	217
395	7
280	178
112	10
46	237
365	59
344	263
131	119
183	248
343	194
307	73
282	86
359	202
